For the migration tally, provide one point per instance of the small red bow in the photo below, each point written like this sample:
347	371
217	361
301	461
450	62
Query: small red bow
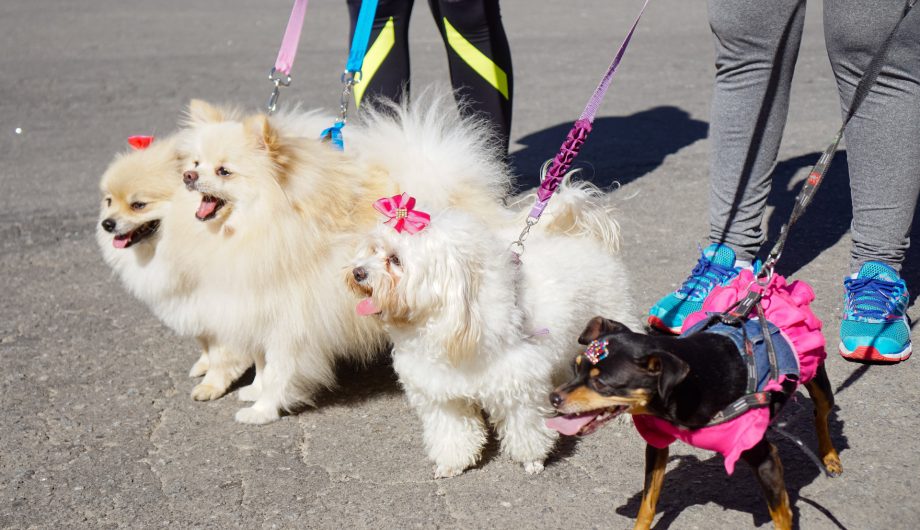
401	215
140	142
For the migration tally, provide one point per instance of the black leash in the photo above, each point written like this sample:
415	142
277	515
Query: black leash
777	427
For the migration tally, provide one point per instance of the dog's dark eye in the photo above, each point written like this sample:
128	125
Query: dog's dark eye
598	385
196	163
108	201
222	171
394	260
138	205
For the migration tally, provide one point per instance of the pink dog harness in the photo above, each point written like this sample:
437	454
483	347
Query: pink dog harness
785	306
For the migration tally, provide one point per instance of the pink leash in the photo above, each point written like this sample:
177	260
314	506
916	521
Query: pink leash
575	139
281	73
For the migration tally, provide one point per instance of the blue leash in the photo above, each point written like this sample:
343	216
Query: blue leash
352	74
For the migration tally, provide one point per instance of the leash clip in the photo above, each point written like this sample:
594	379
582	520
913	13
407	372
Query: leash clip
349	80
279	79
517	247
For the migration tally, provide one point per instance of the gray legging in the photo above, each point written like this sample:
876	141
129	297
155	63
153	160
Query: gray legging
757	42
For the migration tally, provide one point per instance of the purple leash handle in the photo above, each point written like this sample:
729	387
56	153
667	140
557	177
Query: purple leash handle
580	130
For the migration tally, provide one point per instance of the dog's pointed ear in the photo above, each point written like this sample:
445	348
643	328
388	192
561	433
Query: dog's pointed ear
201	112
669	369
261	129
598	327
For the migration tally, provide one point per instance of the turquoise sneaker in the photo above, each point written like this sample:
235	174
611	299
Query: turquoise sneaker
715	267
875	326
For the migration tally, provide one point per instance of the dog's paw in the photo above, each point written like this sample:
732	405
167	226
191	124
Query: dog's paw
532	468
833	465
445	471
249	393
256	415
204	392
200	367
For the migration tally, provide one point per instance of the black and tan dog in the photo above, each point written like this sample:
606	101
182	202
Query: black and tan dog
685	381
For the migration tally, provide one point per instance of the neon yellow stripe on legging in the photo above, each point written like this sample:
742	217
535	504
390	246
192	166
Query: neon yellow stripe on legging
482	65
374	58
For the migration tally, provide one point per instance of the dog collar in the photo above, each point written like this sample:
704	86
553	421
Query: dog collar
597	351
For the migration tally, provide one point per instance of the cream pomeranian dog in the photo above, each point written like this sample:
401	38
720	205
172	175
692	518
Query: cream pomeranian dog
465	318
285	213
140	190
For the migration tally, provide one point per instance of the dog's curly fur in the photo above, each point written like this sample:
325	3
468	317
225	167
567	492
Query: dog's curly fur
462	314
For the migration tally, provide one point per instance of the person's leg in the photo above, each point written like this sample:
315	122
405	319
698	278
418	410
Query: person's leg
479	59
883	138
756	45
883	152
386	65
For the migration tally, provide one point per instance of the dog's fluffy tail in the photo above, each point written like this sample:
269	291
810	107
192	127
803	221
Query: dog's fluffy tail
578	208
433	153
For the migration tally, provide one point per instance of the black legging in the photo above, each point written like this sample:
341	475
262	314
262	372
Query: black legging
476	22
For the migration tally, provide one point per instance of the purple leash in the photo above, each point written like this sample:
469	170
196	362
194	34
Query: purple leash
575	139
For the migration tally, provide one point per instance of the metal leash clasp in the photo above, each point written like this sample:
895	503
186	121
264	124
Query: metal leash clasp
517	247
349	80
279	79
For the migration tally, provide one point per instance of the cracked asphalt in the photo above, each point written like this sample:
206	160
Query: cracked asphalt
96	423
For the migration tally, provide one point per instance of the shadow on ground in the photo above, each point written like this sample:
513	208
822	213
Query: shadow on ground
699	482
361	383
620	149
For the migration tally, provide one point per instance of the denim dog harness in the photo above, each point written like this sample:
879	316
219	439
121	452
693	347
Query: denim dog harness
787	363
798	350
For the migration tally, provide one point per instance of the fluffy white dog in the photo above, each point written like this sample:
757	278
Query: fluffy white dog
467	319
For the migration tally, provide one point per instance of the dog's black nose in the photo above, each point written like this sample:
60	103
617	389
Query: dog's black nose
360	274
108	225
189	177
556	399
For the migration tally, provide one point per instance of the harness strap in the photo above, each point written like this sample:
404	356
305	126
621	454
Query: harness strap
768	341
740	406
753	398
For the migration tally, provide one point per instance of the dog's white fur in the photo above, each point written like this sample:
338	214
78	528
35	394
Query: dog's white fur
268	273
462	313
152	177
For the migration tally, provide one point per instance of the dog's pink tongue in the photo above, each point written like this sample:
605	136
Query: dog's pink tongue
367	307
207	207
121	241
570	425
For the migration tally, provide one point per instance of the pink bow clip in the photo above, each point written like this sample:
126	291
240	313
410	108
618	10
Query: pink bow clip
401	215
140	142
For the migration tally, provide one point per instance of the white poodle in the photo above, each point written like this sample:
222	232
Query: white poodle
475	329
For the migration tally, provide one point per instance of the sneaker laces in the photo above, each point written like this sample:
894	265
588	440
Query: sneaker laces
704	276
872	298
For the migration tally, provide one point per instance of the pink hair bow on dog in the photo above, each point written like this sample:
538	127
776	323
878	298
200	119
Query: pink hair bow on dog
401	215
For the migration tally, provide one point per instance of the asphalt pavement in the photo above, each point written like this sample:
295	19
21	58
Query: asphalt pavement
97	428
